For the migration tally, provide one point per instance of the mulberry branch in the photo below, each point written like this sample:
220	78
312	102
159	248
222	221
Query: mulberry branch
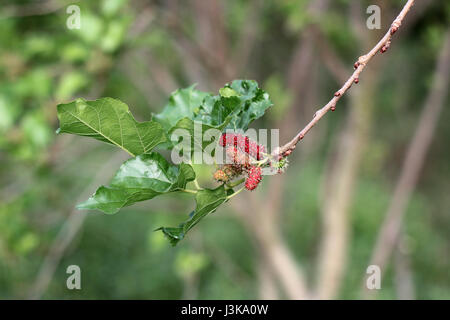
382	46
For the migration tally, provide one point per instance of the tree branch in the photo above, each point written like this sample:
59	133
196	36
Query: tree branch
381	46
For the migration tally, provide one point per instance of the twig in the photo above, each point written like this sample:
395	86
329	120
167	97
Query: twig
381	46
263	224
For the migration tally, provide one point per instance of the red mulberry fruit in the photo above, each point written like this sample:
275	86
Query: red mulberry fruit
237	157
244	143
254	178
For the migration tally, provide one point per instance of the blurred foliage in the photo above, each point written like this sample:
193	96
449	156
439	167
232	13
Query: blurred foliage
121	51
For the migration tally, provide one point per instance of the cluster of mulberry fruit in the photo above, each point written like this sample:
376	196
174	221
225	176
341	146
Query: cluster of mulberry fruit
244	143
240	151
237	157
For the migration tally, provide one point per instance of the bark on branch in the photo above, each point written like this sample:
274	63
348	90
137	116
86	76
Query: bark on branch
381	46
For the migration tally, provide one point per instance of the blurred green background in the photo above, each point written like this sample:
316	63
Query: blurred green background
337	188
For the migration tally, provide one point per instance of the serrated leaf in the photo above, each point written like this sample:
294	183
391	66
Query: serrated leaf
138	179
237	105
182	103
254	103
109	120
208	201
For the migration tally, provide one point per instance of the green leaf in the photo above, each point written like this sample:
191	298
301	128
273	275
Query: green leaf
182	103
207	202
237	105
253	103
109	120
138	179
227	92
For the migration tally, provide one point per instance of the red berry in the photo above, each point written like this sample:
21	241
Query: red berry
243	143
356	80
356	65
254	178
237	157
333	108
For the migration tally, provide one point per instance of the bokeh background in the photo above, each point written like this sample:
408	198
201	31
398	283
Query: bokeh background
310	233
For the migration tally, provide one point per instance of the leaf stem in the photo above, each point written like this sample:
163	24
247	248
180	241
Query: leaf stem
236	183
232	195
189	191
263	161
197	185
